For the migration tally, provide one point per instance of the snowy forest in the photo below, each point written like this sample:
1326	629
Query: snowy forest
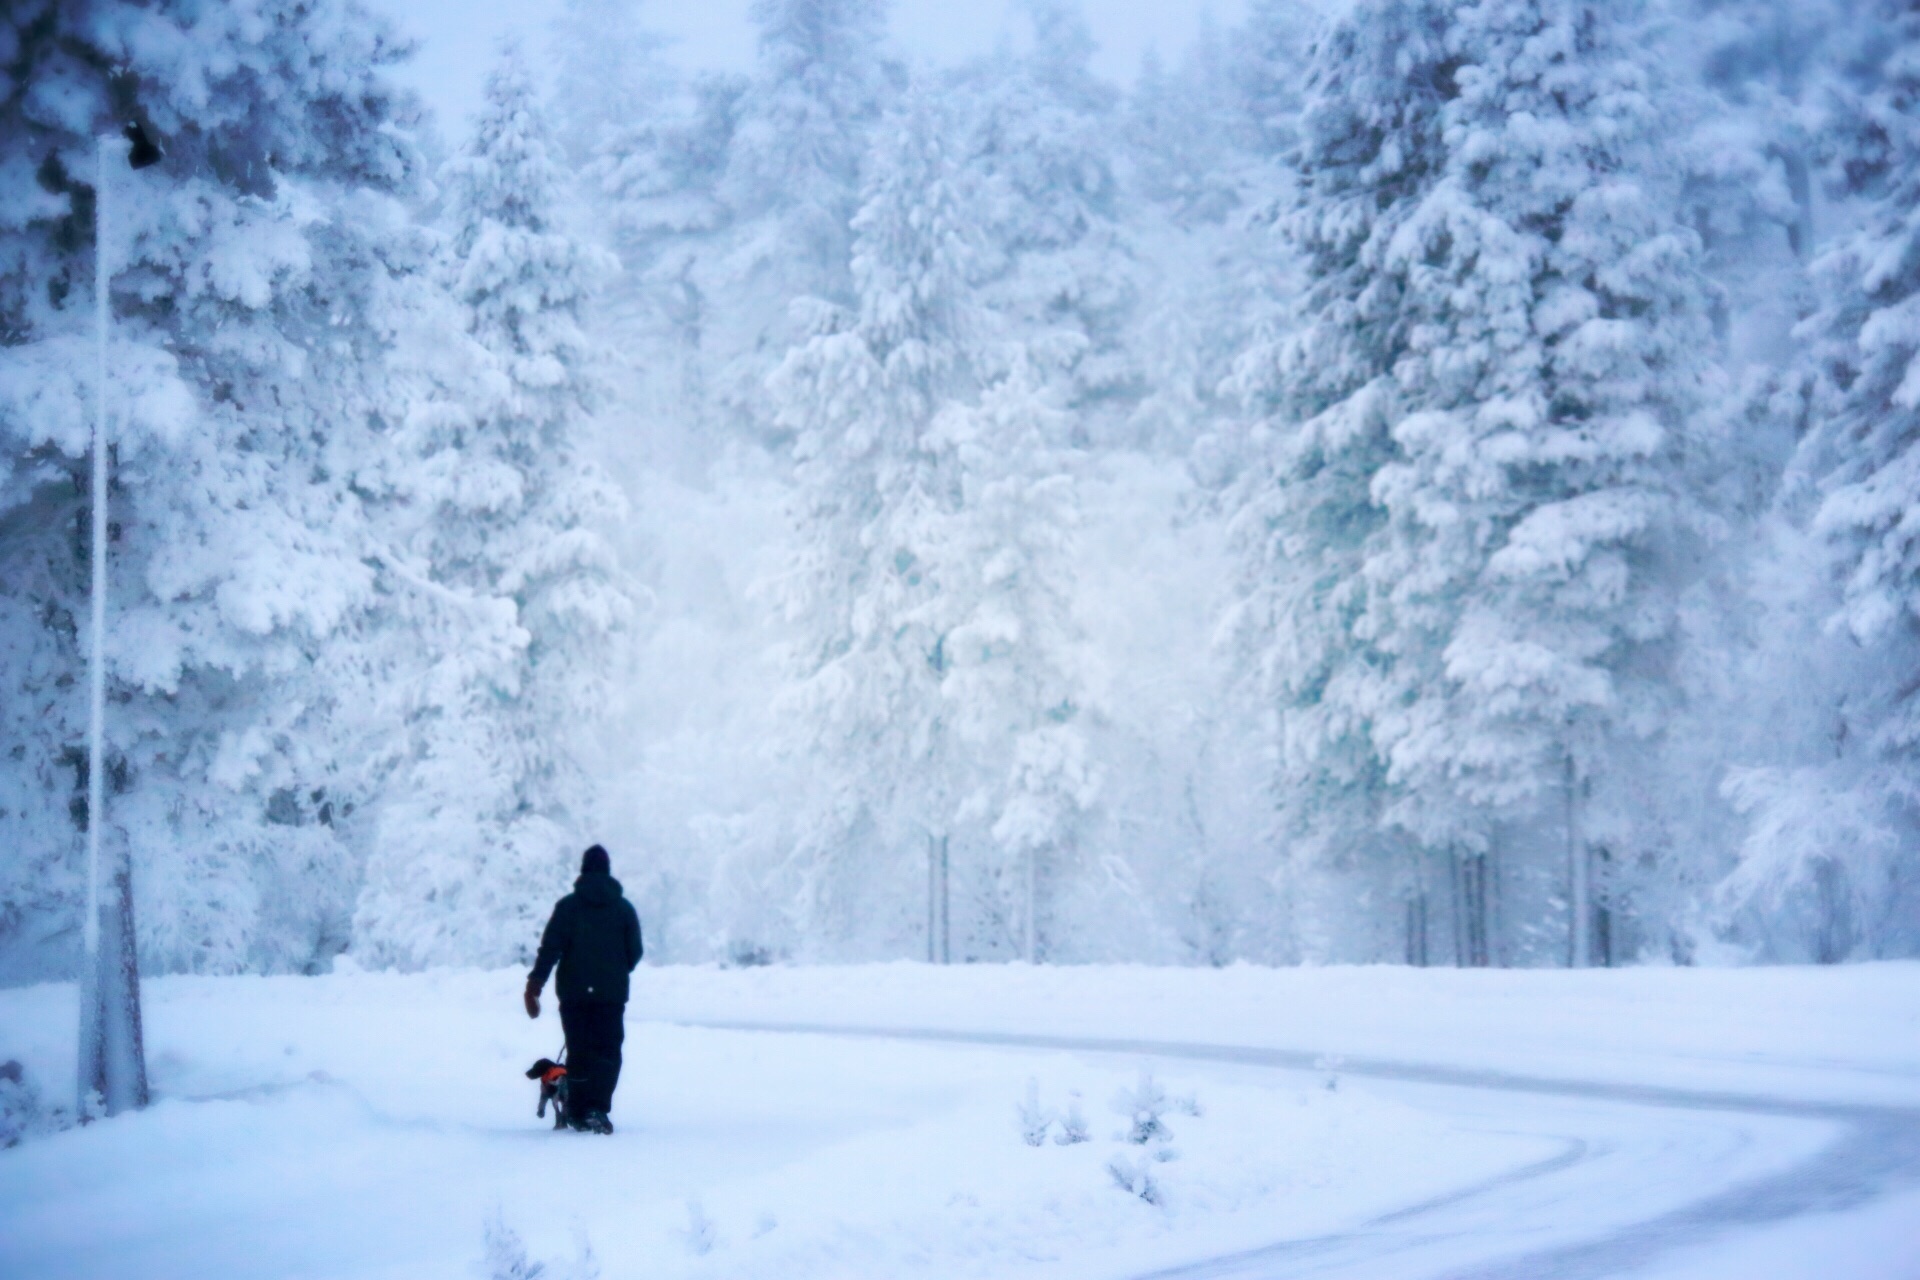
1410	481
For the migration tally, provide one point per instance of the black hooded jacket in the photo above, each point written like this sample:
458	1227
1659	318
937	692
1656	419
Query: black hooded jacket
594	936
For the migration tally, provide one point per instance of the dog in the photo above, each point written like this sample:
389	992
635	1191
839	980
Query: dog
553	1088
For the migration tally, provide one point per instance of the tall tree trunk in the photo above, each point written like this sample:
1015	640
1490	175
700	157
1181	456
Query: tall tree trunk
1417	929
1457	910
1579	880
1468	877
1033	906
1491	908
1601	860
1833	939
939	927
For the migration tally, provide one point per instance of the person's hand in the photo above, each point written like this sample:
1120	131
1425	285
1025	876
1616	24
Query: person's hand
532	998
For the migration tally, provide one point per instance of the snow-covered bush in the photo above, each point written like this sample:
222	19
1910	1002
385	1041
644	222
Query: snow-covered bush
503	1253
23	1114
1073	1123
701	1232
1036	1121
1134	1175
586	1263
1144	1107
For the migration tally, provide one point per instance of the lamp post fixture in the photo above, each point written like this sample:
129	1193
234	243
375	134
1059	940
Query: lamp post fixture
113	1068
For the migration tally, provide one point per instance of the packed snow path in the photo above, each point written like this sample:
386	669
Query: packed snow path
1866	1154
1658	1125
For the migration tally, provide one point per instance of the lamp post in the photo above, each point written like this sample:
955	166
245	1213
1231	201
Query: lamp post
113	1065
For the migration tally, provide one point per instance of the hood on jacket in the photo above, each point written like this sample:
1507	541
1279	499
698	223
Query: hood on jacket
596	888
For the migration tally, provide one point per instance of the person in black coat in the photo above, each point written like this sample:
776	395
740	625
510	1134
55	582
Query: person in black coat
594	937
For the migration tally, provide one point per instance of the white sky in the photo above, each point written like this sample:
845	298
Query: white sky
458	37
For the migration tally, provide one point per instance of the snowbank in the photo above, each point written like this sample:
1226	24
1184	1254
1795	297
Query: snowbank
1847	1033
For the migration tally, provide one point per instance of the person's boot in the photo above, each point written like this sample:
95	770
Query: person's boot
579	1100
597	1122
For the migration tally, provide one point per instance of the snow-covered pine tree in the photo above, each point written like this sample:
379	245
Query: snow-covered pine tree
1269	55
1187	138
1828	870
1744	79
512	589
1761	67
876	494
1494	498
613	75
1742	83
260	273
1044	139
1013	662
727	205
653	191
1199	183
792	184
1041	152
728	200
939	683
1258	89
1303	513
821	83
1607	435
1201	172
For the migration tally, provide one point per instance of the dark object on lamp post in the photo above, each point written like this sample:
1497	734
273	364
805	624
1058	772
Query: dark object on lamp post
144	152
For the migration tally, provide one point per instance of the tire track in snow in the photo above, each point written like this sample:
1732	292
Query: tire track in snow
1876	1153
1872	1158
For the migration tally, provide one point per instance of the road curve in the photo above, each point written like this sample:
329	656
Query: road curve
1874	1151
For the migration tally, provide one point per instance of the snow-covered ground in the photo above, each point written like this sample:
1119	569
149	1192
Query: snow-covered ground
368	1125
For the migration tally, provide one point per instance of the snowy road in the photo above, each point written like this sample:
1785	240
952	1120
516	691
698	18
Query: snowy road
1643	1173
841	1123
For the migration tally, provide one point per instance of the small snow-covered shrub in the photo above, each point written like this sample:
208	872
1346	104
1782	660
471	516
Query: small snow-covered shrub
1145	1107
22	1112
1073	1125
586	1265
701	1233
1035	1120
743	954
19	1104
1135	1177
504	1254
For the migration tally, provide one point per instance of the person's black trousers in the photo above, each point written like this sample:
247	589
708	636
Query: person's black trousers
594	1035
